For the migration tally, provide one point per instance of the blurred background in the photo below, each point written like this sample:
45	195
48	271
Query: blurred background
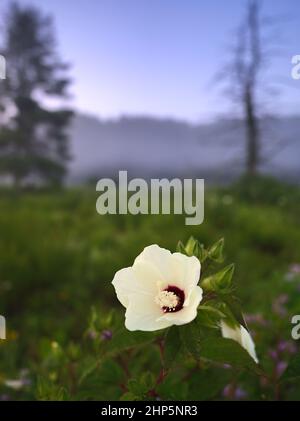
171	88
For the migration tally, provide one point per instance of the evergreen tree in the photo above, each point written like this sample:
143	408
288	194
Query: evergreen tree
33	140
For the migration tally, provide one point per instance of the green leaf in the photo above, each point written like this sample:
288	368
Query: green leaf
234	305
48	391
180	247
190	246
173	387
87	367
172	347
124	340
134	386
106	377
293	370
142	385
202	253
193	248
215	252
191	338
148	380
227	351
220	282
209	316
128	396
207	384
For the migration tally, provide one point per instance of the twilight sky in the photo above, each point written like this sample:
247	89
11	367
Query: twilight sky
159	57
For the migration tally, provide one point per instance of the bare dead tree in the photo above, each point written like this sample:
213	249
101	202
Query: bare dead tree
243	72
246	68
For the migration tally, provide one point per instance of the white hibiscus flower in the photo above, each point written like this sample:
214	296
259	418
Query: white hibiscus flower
159	290
240	335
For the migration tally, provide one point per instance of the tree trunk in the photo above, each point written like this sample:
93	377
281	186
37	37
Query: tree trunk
252	135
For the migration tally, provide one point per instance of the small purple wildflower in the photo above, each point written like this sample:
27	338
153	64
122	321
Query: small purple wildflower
234	392
280	368
106	335
278	305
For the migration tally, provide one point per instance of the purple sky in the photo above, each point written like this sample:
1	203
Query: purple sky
158	57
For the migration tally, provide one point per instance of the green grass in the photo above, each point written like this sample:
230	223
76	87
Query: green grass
58	257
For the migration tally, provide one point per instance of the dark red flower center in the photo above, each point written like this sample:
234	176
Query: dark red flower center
179	293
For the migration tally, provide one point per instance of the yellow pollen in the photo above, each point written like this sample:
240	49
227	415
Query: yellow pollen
167	299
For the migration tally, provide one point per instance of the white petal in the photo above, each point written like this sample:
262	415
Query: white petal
231	333
144	314
189	312
175	269
160	258
187	270
147	273
122	283
134	280
240	335
248	344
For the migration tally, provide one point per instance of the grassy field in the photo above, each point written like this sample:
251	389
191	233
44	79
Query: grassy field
57	260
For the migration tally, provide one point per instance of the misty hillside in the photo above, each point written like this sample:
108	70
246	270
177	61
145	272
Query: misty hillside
163	147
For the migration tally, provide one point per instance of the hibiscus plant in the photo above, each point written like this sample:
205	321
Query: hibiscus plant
184	336
189	304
